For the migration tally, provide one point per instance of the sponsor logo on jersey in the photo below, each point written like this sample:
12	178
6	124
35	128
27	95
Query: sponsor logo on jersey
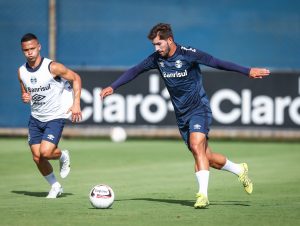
37	97
178	63
39	89
175	74
188	49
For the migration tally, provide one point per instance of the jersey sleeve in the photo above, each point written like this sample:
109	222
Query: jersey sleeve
206	59
146	65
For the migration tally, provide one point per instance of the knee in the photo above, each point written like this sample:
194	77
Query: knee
45	152
36	159
209	156
196	150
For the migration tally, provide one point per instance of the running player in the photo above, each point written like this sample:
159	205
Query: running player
44	84
179	68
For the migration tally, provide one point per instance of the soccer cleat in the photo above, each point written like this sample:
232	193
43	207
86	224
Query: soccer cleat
201	202
243	177
55	191
64	164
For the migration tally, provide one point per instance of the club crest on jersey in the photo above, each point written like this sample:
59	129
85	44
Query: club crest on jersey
33	80
178	63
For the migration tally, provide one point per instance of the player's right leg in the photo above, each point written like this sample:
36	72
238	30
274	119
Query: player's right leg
42	164
36	130
194	132
198	144
46	170
51	137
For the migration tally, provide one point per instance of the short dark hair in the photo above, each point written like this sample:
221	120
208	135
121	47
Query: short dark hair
164	31
28	37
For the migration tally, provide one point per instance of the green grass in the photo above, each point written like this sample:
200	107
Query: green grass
154	184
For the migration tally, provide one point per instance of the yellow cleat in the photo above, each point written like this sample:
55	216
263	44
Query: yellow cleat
243	177
201	202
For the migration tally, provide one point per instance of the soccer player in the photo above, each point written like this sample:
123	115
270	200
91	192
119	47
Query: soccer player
45	85
180	71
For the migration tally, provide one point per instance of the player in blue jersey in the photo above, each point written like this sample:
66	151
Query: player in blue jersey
180	71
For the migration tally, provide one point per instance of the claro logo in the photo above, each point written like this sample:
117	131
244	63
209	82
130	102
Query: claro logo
117	108
259	110
244	108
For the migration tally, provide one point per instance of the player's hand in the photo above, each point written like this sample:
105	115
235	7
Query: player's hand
258	72
26	98
107	91
76	113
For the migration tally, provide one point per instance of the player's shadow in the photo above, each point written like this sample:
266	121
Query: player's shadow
191	202
37	194
231	203
172	201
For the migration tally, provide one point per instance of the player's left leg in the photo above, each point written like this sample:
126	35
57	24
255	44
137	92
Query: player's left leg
198	144
220	162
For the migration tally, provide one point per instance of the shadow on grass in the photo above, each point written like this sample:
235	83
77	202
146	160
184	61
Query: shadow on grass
191	202
38	194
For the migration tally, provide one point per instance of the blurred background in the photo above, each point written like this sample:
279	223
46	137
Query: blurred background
100	39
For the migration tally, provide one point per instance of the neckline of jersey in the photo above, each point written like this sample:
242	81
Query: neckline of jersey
30	69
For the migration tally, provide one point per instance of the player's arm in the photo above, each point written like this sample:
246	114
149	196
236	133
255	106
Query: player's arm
258	72
58	69
25	96
208	60
123	79
229	66
130	74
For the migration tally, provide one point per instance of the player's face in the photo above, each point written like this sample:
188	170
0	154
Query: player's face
161	46
31	50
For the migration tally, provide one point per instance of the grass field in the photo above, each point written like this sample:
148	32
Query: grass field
154	184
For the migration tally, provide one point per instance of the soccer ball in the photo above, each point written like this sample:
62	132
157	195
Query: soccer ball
118	134
102	196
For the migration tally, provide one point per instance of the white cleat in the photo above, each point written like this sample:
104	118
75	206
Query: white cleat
64	163
55	192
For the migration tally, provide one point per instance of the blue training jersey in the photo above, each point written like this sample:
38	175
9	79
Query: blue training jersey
182	76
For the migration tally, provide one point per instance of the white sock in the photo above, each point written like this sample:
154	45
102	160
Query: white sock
203	178
232	167
51	179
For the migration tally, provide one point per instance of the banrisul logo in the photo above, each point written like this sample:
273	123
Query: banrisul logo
175	74
37	97
39	89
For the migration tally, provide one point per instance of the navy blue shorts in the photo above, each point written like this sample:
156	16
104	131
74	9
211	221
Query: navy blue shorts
50	131
197	123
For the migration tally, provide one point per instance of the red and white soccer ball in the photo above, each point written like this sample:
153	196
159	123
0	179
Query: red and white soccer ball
102	196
